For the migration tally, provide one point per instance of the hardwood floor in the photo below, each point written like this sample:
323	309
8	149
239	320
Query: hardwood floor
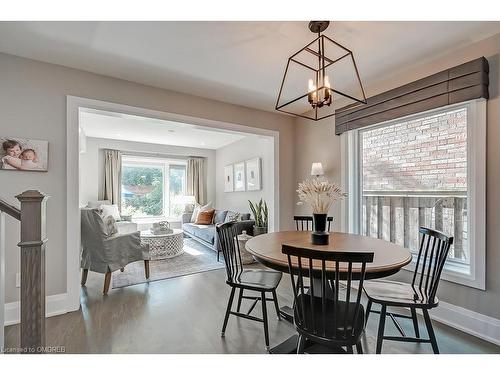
184	315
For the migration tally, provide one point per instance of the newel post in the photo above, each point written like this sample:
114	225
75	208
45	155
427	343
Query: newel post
33	239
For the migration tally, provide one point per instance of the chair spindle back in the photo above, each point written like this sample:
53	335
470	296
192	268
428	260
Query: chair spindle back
432	254
315	311
227	234
305	223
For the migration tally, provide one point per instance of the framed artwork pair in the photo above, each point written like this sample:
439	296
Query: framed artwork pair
243	176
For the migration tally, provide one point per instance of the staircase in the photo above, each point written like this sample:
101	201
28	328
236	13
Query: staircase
32	244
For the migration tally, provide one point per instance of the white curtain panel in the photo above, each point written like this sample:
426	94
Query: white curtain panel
113	177
196	179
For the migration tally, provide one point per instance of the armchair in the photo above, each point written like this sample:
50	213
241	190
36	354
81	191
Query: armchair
105	254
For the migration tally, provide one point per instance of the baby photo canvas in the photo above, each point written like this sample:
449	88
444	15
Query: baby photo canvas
19	154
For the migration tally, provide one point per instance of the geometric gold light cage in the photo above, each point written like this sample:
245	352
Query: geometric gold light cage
320	78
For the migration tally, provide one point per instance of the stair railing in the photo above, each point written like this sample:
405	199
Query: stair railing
33	239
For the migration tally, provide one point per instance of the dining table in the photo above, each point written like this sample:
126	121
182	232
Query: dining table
388	258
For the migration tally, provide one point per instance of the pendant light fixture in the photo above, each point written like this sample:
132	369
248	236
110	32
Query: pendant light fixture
319	78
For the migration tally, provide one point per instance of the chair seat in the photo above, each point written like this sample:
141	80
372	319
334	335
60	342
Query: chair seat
334	326
258	279
395	293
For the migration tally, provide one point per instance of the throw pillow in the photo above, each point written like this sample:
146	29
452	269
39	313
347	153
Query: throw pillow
205	217
233	216
198	208
110	225
219	216
111	209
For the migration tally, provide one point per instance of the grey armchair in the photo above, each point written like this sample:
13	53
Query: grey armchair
103	253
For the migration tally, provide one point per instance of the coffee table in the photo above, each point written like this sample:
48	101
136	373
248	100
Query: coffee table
163	246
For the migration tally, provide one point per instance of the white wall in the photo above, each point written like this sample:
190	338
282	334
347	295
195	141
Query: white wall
248	148
92	163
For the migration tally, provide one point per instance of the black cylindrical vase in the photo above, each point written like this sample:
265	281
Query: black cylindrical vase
319	236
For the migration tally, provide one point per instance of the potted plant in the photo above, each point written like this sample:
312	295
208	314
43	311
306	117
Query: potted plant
261	215
320	194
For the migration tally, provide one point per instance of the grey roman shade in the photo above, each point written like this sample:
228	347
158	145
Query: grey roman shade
458	84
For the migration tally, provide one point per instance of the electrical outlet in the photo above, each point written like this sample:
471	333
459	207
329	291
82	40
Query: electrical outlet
18	280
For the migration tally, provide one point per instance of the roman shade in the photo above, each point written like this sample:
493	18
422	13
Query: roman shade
454	85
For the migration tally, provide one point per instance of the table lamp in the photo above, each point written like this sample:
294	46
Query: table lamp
317	169
189	201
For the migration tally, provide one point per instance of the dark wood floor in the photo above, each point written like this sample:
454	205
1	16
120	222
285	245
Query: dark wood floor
184	315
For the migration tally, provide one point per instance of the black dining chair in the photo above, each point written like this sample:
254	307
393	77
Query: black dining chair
255	280
420	294
306	222
321	314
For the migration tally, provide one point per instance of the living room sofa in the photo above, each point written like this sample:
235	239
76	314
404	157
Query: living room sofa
206	234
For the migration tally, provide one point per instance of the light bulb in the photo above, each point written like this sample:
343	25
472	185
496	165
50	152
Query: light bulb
312	87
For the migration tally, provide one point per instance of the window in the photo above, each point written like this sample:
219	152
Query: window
423	170
151	187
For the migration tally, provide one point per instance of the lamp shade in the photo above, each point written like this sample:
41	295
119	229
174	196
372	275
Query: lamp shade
189	199
317	169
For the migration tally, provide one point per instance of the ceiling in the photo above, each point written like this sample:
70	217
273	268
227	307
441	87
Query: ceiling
234	62
110	125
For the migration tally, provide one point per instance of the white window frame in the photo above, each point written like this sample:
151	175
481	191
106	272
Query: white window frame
165	163
474	275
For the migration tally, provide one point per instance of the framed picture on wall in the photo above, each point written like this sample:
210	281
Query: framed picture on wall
228	178
253	174
239	177
20	154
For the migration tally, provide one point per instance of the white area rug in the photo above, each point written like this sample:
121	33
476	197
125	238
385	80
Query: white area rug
196	258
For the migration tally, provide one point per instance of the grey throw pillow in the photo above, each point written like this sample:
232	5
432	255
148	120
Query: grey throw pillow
110	225
219	216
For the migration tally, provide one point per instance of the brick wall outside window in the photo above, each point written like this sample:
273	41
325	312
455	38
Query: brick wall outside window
419	155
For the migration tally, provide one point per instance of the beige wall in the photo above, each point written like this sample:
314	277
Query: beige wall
317	142
33	104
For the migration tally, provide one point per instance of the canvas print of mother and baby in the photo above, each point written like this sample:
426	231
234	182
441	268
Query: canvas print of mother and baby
18	154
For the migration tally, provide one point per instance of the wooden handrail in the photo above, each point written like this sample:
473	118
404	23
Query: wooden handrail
10	210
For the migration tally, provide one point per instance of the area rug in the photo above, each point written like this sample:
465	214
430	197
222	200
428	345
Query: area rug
196	258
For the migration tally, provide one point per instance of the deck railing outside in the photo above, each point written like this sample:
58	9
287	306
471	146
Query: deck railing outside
396	216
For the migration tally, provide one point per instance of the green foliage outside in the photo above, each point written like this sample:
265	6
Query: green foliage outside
146	186
150	204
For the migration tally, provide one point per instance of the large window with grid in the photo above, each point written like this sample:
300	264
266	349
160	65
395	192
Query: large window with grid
426	170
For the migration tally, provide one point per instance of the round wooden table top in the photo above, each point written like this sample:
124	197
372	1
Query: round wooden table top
388	257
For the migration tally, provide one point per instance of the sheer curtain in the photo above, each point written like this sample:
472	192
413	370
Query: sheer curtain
112	189
196	179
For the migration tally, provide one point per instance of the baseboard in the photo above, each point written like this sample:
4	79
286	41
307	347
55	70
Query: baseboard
471	322
55	305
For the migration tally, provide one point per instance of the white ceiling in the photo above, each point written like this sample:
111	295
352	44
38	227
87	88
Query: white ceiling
100	124
235	62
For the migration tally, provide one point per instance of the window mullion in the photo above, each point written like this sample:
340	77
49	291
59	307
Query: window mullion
166	190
